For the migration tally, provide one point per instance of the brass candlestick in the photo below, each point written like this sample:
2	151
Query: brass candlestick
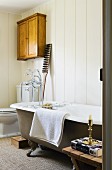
90	124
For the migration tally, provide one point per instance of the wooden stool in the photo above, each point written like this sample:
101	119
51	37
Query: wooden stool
19	142
82	161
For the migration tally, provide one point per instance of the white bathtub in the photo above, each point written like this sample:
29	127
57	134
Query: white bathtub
77	112
75	125
80	113
8	123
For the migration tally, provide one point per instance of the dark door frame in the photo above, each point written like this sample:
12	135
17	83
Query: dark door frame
107	85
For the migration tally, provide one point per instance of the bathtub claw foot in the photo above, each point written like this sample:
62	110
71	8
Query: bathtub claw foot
29	152
74	168
33	146
43	147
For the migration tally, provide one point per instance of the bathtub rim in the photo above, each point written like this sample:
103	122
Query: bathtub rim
28	106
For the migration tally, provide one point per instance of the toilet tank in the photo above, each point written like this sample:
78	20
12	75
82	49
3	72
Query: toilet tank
26	93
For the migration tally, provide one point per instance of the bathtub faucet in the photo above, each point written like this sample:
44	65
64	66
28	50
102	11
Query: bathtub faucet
39	83
36	82
38	75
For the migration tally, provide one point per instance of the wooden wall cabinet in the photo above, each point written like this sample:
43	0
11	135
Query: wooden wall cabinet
31	38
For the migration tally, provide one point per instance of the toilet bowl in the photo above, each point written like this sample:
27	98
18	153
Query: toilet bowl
8	122
7	115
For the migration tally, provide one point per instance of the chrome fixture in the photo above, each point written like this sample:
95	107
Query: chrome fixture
36	82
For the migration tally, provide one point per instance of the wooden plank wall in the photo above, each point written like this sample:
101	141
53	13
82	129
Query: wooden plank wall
10	68
74	29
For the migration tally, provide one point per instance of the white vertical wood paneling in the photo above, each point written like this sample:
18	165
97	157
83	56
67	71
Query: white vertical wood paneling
10	70
101	49
14	72
24	67
93	51
4	60
50	38
72	28
69	50
80	51
60	50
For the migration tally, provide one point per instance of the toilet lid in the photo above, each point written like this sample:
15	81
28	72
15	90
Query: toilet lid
7	110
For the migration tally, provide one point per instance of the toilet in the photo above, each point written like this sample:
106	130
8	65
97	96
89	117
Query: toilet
8	122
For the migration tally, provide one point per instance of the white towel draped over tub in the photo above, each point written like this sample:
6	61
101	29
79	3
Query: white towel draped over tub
48	125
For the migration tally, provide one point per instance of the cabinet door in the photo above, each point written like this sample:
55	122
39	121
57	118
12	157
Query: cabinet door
42	34
22	40
32	37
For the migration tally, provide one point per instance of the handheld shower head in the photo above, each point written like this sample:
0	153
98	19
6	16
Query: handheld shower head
46	62
46	58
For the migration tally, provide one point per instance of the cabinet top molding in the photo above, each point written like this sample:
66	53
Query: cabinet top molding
36	14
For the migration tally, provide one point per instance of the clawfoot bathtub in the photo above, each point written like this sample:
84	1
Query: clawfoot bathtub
75	126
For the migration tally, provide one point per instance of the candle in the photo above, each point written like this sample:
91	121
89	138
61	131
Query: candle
90	117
